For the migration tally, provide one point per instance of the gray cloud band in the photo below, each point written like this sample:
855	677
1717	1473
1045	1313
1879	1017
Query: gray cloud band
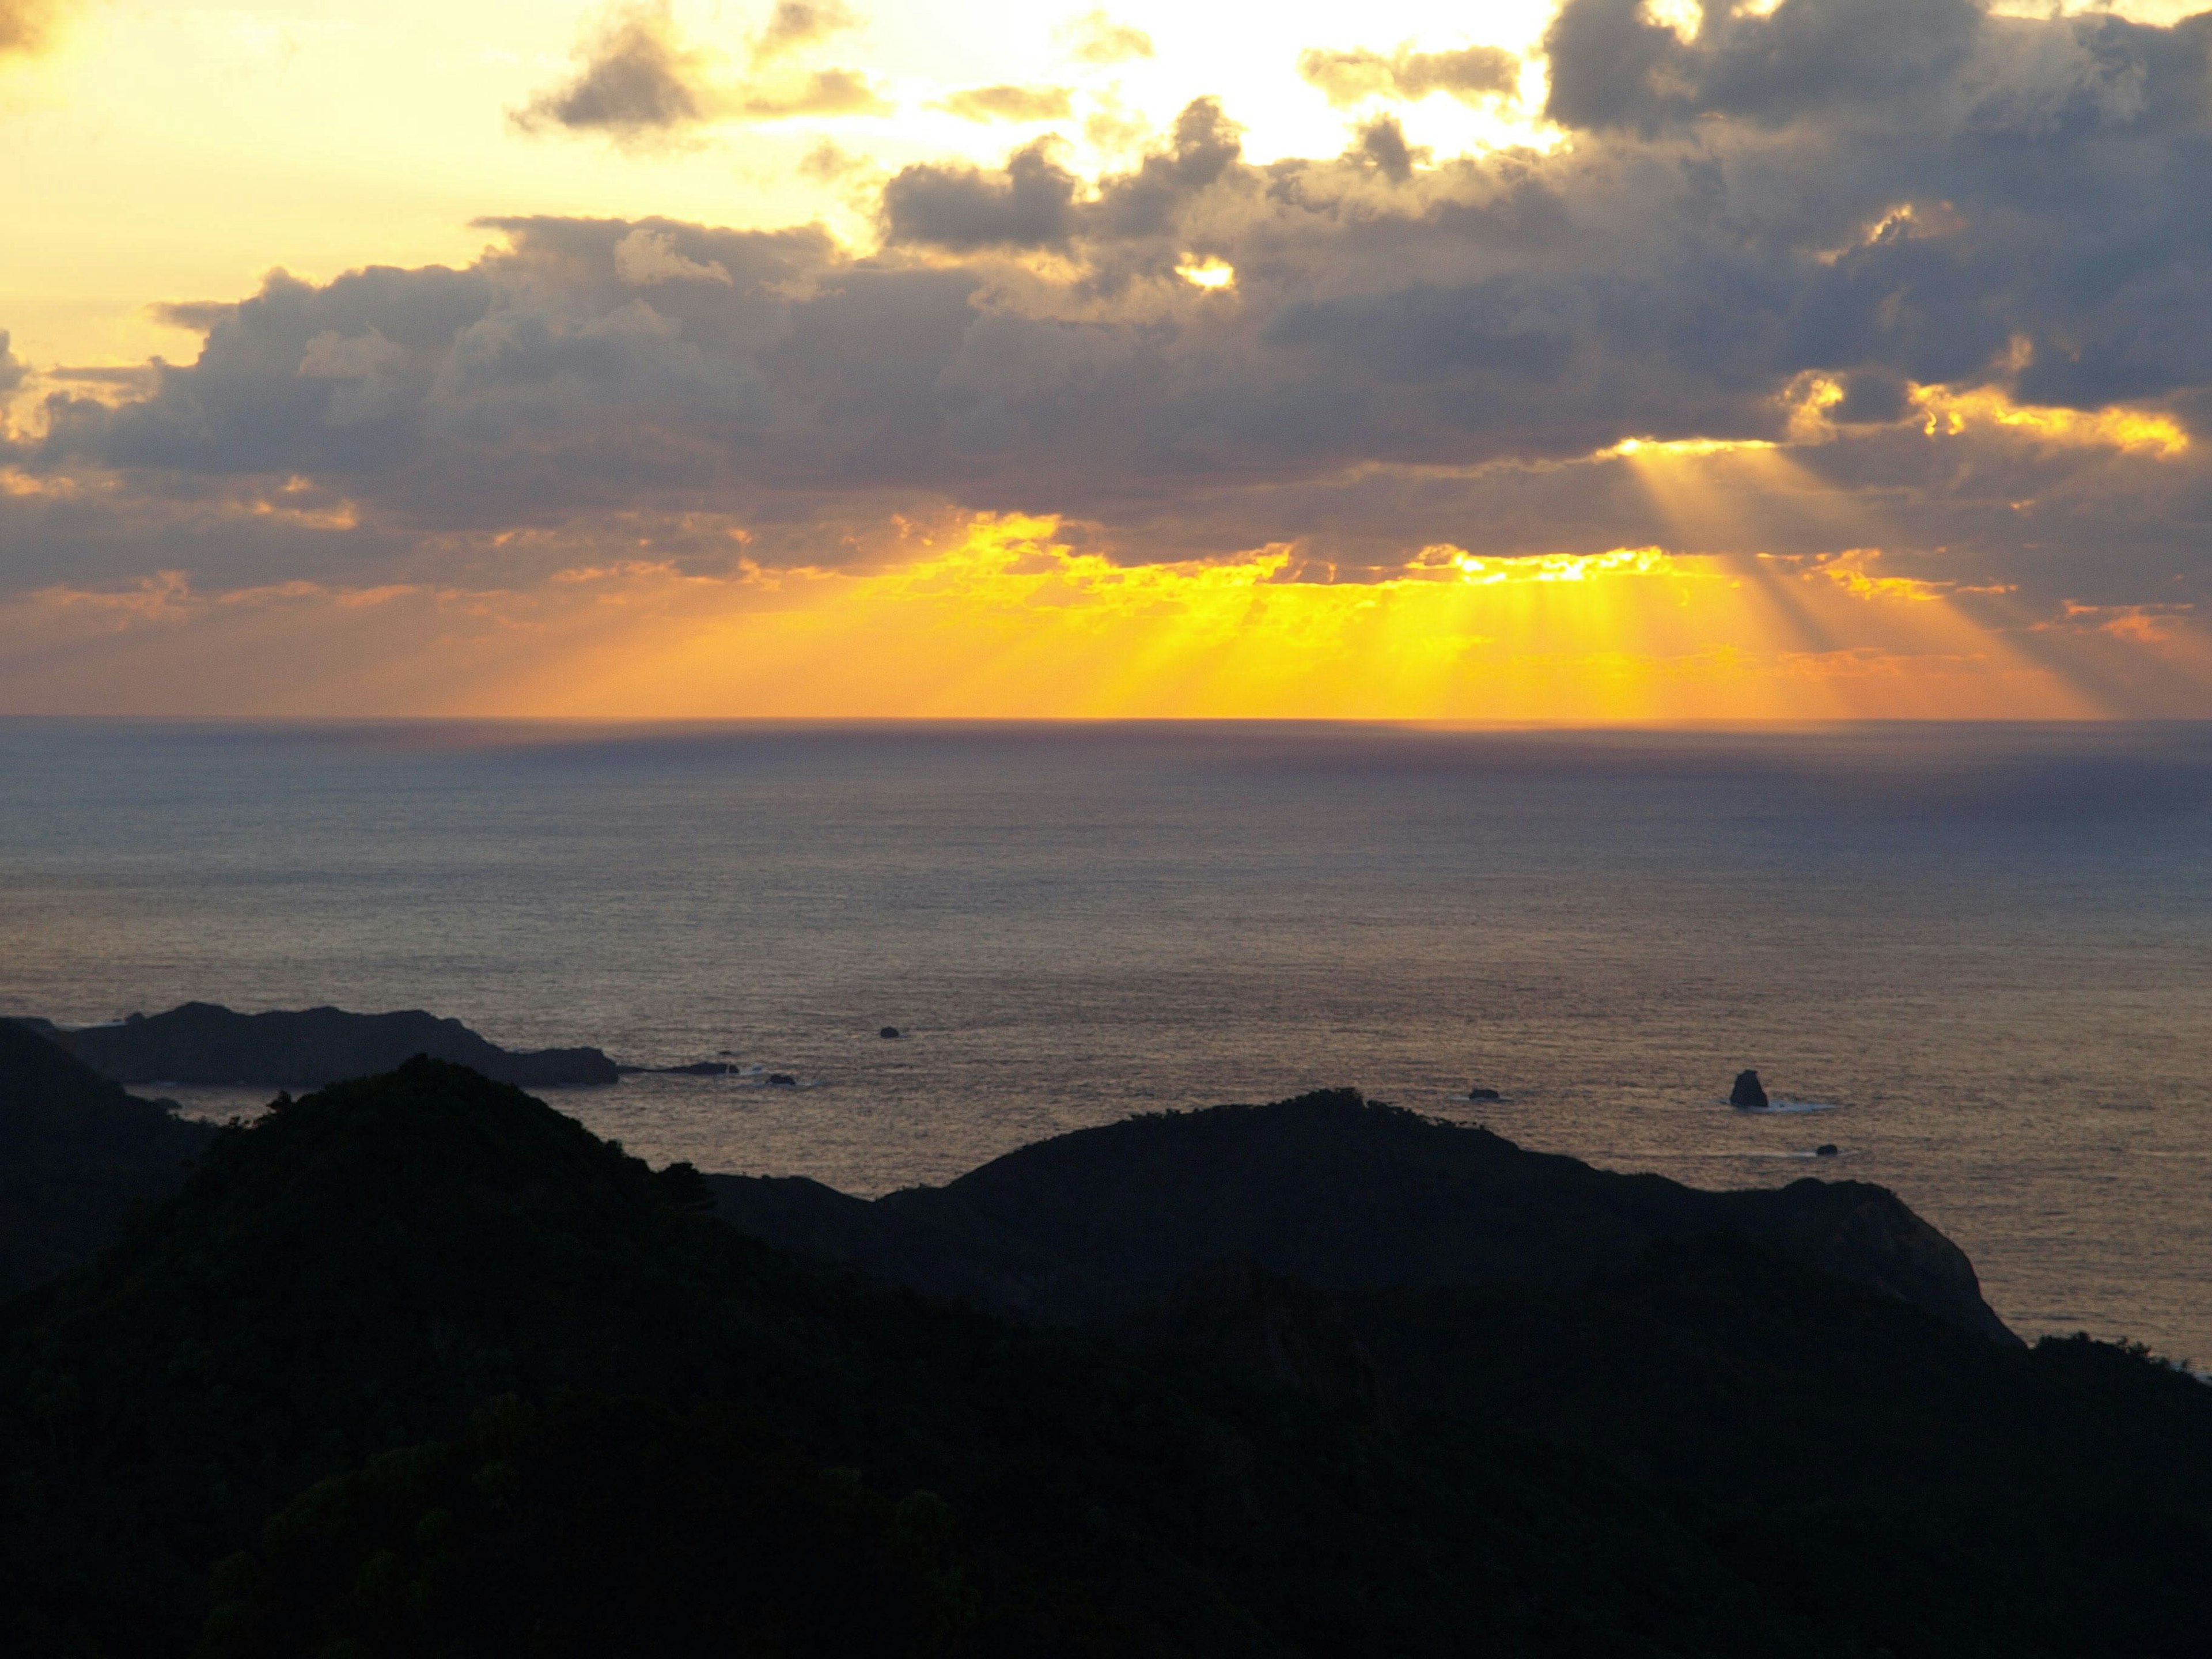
1882	192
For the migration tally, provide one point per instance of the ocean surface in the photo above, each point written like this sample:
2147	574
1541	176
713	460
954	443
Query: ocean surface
1984	954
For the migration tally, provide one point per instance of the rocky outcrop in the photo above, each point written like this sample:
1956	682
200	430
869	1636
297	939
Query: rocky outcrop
1748	1095
1336	1192
202	1043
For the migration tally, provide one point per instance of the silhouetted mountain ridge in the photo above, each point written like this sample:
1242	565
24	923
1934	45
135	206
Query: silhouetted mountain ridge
75	1154
1332	1190
420	1363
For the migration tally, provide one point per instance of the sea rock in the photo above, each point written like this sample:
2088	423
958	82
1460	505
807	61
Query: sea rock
1825	1149
1479	1093
1748	1095
782	1080
203	1043
891	1033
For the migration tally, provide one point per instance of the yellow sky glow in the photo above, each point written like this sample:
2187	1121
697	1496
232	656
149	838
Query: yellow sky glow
1005	621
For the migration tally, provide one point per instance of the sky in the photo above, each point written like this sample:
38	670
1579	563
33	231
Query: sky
1625	359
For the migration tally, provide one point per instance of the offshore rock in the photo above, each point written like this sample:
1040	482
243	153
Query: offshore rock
202	1043
1748	1095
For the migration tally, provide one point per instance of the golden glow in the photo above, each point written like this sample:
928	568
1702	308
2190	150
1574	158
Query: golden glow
1549	567
1945	412
1629	448
1001	617
1207	273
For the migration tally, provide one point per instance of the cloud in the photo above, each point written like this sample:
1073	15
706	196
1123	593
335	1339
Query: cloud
1029	203
1095	38
13	371
1383	142
1953	311
25	26
798	23
1009	103
822	92
636	78
1470	74
1032	202
638	81
645	257
827	163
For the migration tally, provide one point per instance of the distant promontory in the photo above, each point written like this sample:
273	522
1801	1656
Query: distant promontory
203	1043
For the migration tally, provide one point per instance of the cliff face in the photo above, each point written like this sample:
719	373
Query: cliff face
1337	1193
1868	1236
75	1154
203	1043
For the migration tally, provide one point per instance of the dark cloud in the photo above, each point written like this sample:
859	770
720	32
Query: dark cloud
1202	150
1095	38
1031	204
1470	74
1776	232
639	81
1032	201
636	77
1383	142
1007	103
13	371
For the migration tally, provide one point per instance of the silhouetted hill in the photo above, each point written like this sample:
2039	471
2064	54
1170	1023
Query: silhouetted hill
206	1044
75	1154
428	1369
1332	1190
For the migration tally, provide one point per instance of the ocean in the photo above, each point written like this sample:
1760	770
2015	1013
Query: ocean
1975	959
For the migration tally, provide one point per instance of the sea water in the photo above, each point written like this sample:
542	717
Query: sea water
1983	950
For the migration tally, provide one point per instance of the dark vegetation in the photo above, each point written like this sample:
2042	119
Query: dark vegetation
1330	1190
418	1365
202	1043
76	1154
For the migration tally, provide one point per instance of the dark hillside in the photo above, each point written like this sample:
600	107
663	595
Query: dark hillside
415	1364
364	1268
77	1153
1333	1190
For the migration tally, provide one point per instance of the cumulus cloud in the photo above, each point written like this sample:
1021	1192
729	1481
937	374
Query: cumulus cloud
13	371
645	257
1809	282
1095	38
1032	202
638	81
636	76
1009	103
1470	74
